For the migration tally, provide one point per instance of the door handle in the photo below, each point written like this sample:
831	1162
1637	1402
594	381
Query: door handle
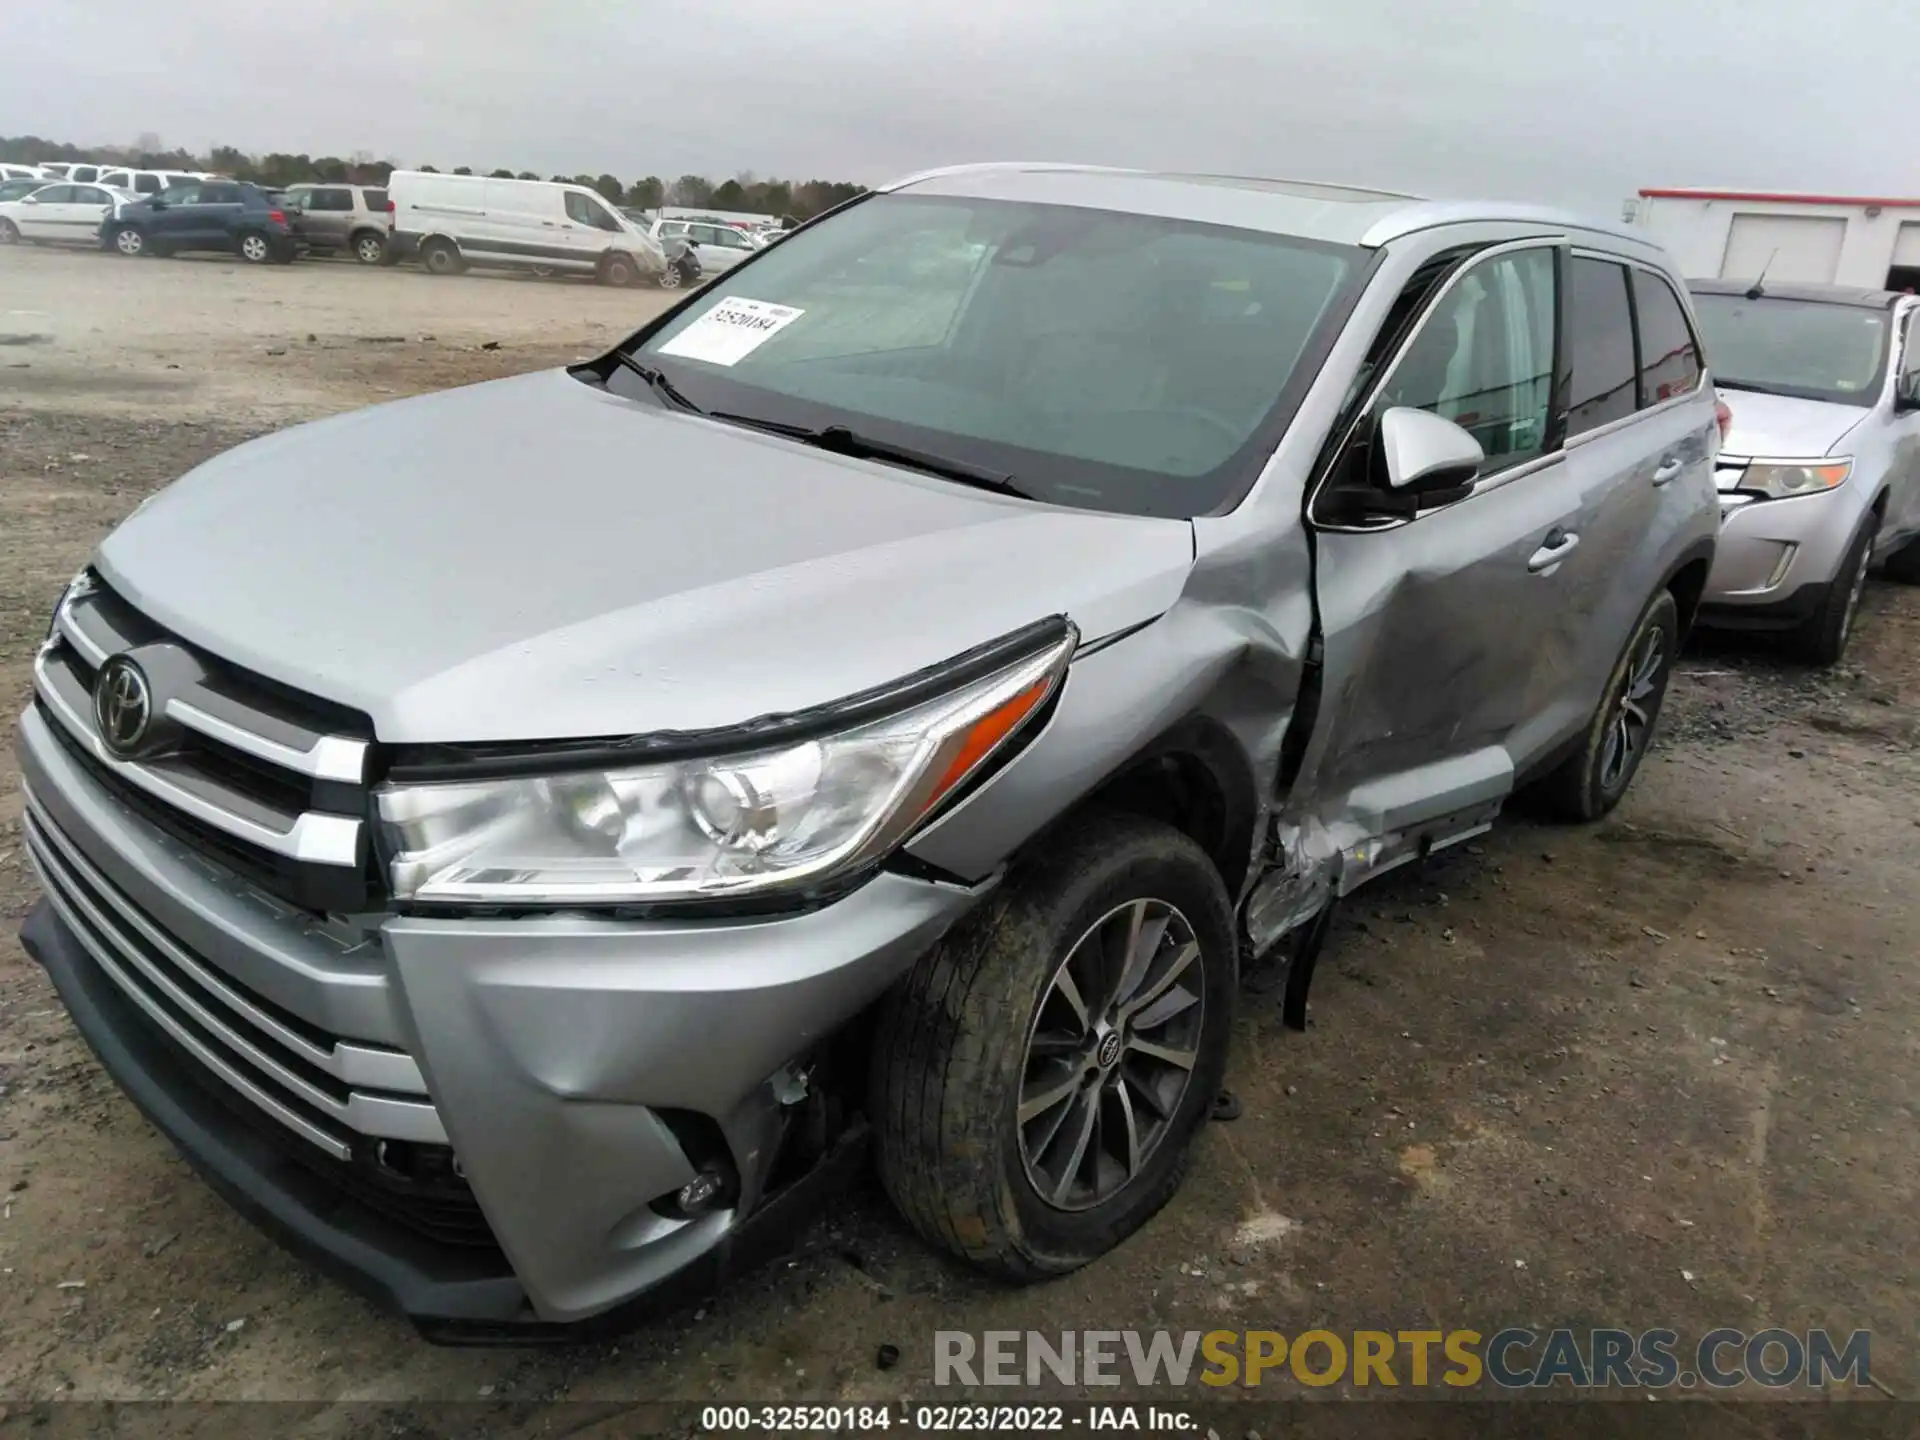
1558	545
1669	467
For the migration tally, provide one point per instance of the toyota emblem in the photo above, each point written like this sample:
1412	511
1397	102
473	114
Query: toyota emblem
122	705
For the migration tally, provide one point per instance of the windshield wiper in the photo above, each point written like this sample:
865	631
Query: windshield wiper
840	440
658	382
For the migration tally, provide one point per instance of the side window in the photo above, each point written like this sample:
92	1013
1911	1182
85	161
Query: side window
578	210
1484	358
1600	345
219	195
375	200
1669	356
114	177
54	195
147	184
330	198
182	194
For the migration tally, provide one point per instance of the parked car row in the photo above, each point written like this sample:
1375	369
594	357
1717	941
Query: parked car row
445	223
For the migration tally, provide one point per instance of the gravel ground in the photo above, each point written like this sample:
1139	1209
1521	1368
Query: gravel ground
1655	1072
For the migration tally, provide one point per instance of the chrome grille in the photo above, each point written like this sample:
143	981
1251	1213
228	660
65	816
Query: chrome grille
270	783
325	1089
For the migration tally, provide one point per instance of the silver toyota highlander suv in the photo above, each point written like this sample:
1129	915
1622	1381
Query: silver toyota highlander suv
883	701
1820	476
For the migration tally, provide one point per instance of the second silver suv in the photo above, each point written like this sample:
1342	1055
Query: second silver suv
990	613
343	220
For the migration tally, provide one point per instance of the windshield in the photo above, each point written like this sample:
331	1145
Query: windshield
1803	348
1103	360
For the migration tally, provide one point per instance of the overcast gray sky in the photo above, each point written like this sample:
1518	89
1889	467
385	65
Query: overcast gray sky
1571	100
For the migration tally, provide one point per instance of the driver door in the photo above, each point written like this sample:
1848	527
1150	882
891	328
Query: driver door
38	215
173	212
1432	623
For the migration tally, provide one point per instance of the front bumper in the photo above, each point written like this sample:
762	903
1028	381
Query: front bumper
1776	559
559	1056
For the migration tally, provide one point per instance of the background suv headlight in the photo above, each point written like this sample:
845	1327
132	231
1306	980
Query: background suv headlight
1781	479
722	826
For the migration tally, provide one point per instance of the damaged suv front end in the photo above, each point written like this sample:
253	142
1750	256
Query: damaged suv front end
521	874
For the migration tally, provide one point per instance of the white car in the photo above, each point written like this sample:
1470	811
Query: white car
23	172
60	213
719	247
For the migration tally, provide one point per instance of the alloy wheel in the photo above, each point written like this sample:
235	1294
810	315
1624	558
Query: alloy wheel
129	242
1627	731
369	250
8	234
254	248
1111	1053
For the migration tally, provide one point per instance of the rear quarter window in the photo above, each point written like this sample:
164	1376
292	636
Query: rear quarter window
1669	354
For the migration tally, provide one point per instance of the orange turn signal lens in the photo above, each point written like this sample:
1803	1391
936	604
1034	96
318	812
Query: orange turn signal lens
984	736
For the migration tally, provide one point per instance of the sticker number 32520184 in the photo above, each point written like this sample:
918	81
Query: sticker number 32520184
731	331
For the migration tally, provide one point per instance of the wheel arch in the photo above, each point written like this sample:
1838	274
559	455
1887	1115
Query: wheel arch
1686	581
1194	776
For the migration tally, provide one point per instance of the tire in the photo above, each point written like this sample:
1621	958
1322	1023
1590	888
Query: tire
9	233
441	257
1821	639
130	241
1904	564
670	278
956	1050
1590	782
369	248
619	271
253	247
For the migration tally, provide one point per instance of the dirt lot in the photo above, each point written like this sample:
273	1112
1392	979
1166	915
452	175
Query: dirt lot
1658	1072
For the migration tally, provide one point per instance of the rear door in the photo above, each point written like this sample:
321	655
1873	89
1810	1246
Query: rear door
84	213
1432	625
327	216
215	219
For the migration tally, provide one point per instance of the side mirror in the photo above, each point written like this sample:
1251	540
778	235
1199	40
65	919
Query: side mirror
30	200
1424	454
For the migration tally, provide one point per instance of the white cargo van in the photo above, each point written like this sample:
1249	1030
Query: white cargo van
1871	243
450	222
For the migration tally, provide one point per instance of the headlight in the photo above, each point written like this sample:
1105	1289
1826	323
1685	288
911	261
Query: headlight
1782	479
720	826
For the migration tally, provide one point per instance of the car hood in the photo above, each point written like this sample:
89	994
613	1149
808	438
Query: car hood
1782	427
536	558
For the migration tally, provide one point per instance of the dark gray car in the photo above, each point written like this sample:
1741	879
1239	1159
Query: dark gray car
882	701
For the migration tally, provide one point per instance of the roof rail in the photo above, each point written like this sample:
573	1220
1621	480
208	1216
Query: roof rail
1296	180
941	171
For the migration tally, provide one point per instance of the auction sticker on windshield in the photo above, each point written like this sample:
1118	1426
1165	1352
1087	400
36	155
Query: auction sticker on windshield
731	331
